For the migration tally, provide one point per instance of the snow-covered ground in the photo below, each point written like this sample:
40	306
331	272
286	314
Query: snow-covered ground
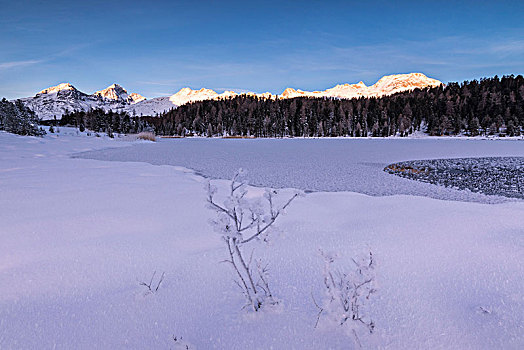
78	235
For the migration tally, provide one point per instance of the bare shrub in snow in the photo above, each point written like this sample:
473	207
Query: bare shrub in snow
146	135
153	288
347	293
240	221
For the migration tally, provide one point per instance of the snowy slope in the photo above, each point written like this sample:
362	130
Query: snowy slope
79	235
151	107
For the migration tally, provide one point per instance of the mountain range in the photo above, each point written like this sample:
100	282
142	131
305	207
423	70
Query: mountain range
57	100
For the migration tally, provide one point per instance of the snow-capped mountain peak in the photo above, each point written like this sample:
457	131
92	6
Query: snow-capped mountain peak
391	84
184	91
59	87
136	97
187	95
116	92
228	93
291	93
113	92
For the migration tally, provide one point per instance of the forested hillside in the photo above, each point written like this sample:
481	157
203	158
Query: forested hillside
472	107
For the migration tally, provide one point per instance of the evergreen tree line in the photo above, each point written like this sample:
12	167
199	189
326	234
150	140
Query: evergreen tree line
489	106
98	120
18	119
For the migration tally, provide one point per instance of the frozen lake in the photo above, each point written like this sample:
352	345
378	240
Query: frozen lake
316	164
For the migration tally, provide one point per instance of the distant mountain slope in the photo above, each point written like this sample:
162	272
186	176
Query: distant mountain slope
151	107
56	100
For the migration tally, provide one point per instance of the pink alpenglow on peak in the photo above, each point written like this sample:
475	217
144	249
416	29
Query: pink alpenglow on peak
116	92
187	95
292	93
387	85
136	97
55	89
391	84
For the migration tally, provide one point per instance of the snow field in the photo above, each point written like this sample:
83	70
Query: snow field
79	235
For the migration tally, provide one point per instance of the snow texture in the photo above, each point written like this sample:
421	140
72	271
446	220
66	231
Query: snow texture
78	236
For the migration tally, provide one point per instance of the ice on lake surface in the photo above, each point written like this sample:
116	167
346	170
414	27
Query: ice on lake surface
354	165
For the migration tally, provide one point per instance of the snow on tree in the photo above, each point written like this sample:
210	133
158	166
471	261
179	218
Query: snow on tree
18	119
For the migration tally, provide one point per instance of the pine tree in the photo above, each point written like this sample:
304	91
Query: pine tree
18	119
474	126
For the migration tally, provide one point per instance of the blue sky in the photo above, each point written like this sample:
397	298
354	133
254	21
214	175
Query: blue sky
156	48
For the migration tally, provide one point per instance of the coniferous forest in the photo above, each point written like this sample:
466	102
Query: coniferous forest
489	106
18	119
99	120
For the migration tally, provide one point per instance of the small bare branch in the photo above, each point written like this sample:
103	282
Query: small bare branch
152	290
319	308
160	281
